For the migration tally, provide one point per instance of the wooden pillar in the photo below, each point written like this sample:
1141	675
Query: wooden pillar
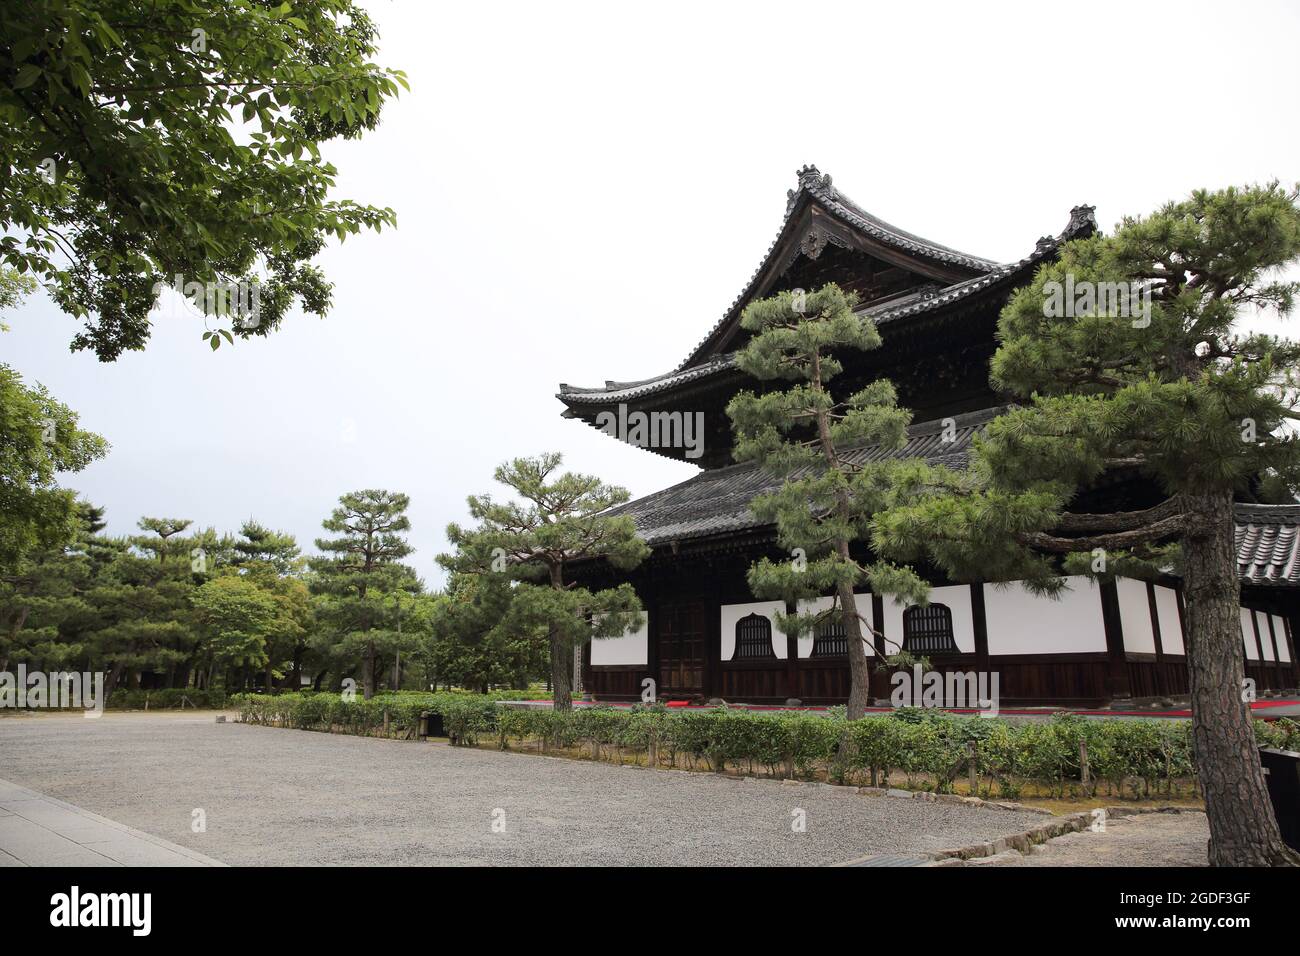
880	685
791	657
652	642
713	633
1118	685
980	624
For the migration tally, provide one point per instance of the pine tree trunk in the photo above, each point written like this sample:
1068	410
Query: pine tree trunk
368	671
561	655
1243	831
859	671
110	684
561	671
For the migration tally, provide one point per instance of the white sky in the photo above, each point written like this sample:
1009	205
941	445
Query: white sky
582	189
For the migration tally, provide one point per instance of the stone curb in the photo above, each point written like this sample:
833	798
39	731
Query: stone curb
953	798
1058	826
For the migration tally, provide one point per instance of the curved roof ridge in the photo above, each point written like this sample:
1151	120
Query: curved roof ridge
821	186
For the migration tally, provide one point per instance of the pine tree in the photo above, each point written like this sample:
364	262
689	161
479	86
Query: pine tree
259	545
806	436
1131	362
559	520
165	529
359	572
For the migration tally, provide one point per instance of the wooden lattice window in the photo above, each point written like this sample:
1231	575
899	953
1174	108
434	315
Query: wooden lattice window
753	639
829	639
928	630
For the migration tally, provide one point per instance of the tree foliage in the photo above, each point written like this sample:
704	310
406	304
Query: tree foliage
552	522
147	139
39	438
814	440
1163	393
360	580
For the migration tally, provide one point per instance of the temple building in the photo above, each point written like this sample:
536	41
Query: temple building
706	636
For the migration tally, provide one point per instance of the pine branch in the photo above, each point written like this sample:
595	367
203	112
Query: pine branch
1120	520
1159	530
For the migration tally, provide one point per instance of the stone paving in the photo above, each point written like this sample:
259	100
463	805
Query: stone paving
274	796
37	830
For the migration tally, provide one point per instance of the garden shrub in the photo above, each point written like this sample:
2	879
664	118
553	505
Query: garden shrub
930	748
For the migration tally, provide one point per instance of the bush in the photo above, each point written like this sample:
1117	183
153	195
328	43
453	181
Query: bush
930	748
166	698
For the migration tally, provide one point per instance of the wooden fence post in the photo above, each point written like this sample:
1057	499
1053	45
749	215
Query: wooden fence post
972	767
1083	762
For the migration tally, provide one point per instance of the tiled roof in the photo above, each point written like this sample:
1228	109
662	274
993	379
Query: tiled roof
717	500
624	391
812	183
818	185
815	186
1267	544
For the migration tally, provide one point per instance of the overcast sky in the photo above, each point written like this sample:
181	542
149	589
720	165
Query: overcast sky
582	190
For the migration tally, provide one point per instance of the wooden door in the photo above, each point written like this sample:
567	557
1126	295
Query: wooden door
682	643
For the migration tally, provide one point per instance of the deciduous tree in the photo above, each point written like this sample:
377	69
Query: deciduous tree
146	139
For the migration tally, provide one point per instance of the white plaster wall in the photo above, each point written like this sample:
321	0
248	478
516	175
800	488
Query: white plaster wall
1135	616
1248	635
1279	628
1022	623
815	605
893	625
1171	627
1265	638
731	613
630	648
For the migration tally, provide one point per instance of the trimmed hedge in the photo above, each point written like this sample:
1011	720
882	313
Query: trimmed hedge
929	749
166	698
464	715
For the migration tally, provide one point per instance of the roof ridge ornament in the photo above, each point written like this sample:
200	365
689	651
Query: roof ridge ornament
811	180
1083	215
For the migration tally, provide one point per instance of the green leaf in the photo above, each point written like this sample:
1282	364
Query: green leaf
28	74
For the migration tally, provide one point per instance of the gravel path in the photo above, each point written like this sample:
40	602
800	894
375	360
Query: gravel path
1144	839
295	797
